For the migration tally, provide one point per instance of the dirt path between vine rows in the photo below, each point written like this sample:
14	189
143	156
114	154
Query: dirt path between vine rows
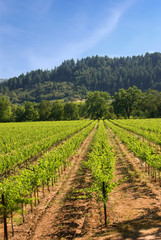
134	207
43	223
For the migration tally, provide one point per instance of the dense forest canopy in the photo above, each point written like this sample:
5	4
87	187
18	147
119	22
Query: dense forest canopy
72	80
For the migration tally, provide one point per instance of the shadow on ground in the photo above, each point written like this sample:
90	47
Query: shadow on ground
148	226
74	212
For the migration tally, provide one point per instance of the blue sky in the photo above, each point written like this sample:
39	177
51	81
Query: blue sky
43	33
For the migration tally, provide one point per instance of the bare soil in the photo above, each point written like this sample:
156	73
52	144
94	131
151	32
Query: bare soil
67	212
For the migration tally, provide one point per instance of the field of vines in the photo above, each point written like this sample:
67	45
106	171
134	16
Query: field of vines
33	155
143	138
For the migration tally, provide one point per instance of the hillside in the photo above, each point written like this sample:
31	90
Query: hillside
2	80
72	80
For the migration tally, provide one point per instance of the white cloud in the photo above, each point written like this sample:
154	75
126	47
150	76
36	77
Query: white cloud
47	55
108	25
89	40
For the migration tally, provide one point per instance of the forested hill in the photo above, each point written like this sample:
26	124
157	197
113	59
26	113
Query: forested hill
71	80
2	80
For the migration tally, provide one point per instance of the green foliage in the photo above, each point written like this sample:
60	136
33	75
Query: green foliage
140	148
44	110
101	163
5	109
148	128
125	101
30	140
57	111
97	105
74	79
71	111
150	105
30	113
17	189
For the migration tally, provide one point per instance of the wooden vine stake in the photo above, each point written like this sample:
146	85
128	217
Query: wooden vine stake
5	219
12	223
22	207
104	196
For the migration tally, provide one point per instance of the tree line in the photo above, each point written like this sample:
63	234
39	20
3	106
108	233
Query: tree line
73	79
97	105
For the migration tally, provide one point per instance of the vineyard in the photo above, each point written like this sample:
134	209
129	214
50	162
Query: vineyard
80	179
